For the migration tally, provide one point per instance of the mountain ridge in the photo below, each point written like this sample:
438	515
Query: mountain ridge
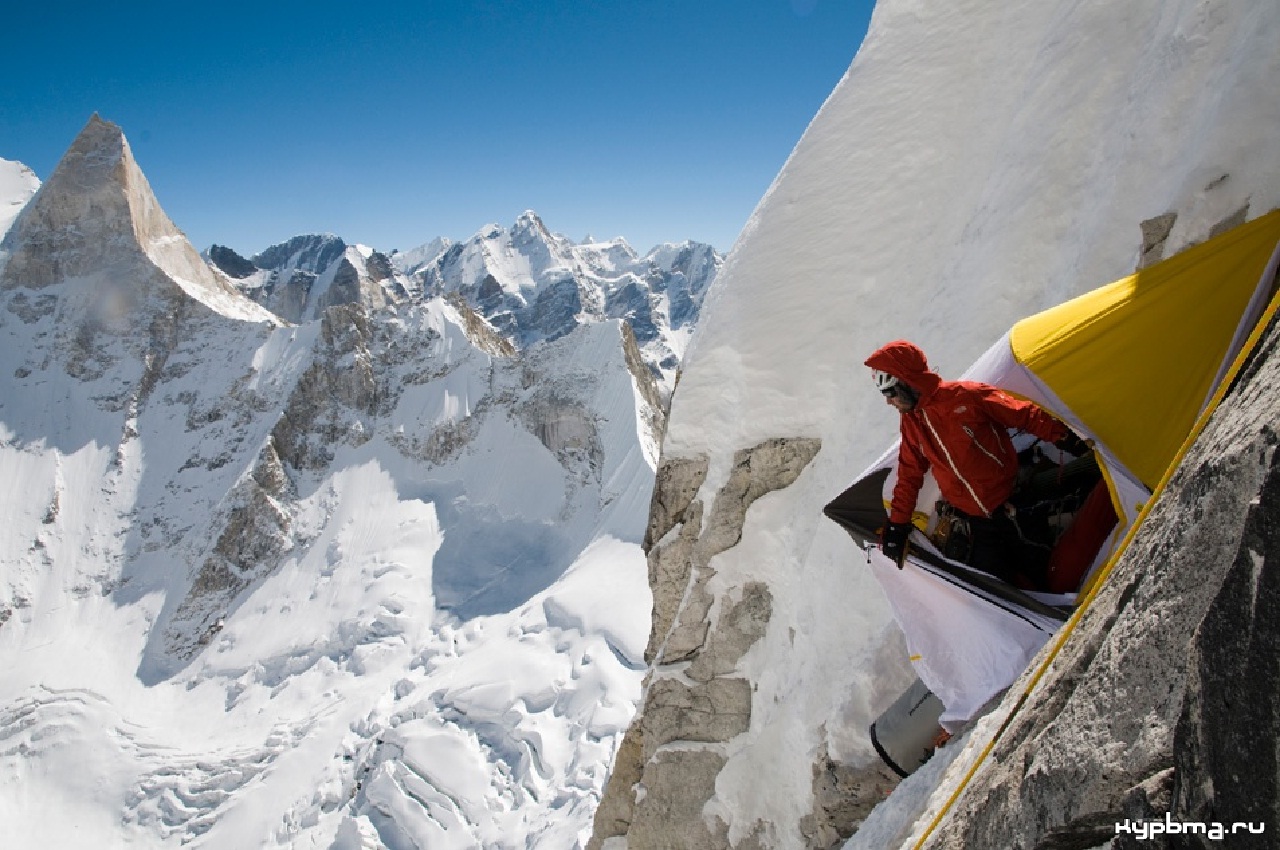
528	283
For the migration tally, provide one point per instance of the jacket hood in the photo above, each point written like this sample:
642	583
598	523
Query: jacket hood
906	362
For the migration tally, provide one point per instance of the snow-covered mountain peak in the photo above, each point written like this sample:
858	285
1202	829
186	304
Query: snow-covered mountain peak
525	284
534	284
346	554
301	277
529	222
614	256
97	213
375	577
312	252
17	184
415	258
687	256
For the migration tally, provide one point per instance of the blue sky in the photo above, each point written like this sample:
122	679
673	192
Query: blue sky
393	123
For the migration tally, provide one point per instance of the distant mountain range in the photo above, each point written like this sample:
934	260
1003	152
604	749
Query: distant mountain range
528	283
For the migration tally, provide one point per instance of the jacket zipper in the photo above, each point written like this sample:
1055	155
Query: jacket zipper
981	447
952	464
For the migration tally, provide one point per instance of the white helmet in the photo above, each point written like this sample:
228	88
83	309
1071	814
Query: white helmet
884	380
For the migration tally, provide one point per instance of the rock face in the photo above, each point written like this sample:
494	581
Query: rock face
97	219
695	701
1162	702
843	796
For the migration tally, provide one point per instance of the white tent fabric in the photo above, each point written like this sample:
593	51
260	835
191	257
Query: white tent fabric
964	648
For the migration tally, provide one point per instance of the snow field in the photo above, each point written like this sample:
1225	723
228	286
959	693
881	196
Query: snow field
485	724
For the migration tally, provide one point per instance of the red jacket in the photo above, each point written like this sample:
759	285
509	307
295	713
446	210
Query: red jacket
959	429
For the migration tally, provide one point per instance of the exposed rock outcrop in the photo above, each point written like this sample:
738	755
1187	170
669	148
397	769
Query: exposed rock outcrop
843	796
1155	233
342	372
479	331
255	533
228	261
694	704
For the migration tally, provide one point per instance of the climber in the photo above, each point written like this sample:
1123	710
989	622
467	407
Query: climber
959	429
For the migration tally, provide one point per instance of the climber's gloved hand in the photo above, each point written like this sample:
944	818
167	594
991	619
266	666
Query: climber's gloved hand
893	541
1072	444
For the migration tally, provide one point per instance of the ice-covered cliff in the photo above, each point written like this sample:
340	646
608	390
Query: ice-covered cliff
978	162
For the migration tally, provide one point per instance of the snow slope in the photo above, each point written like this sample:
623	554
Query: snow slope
977	163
